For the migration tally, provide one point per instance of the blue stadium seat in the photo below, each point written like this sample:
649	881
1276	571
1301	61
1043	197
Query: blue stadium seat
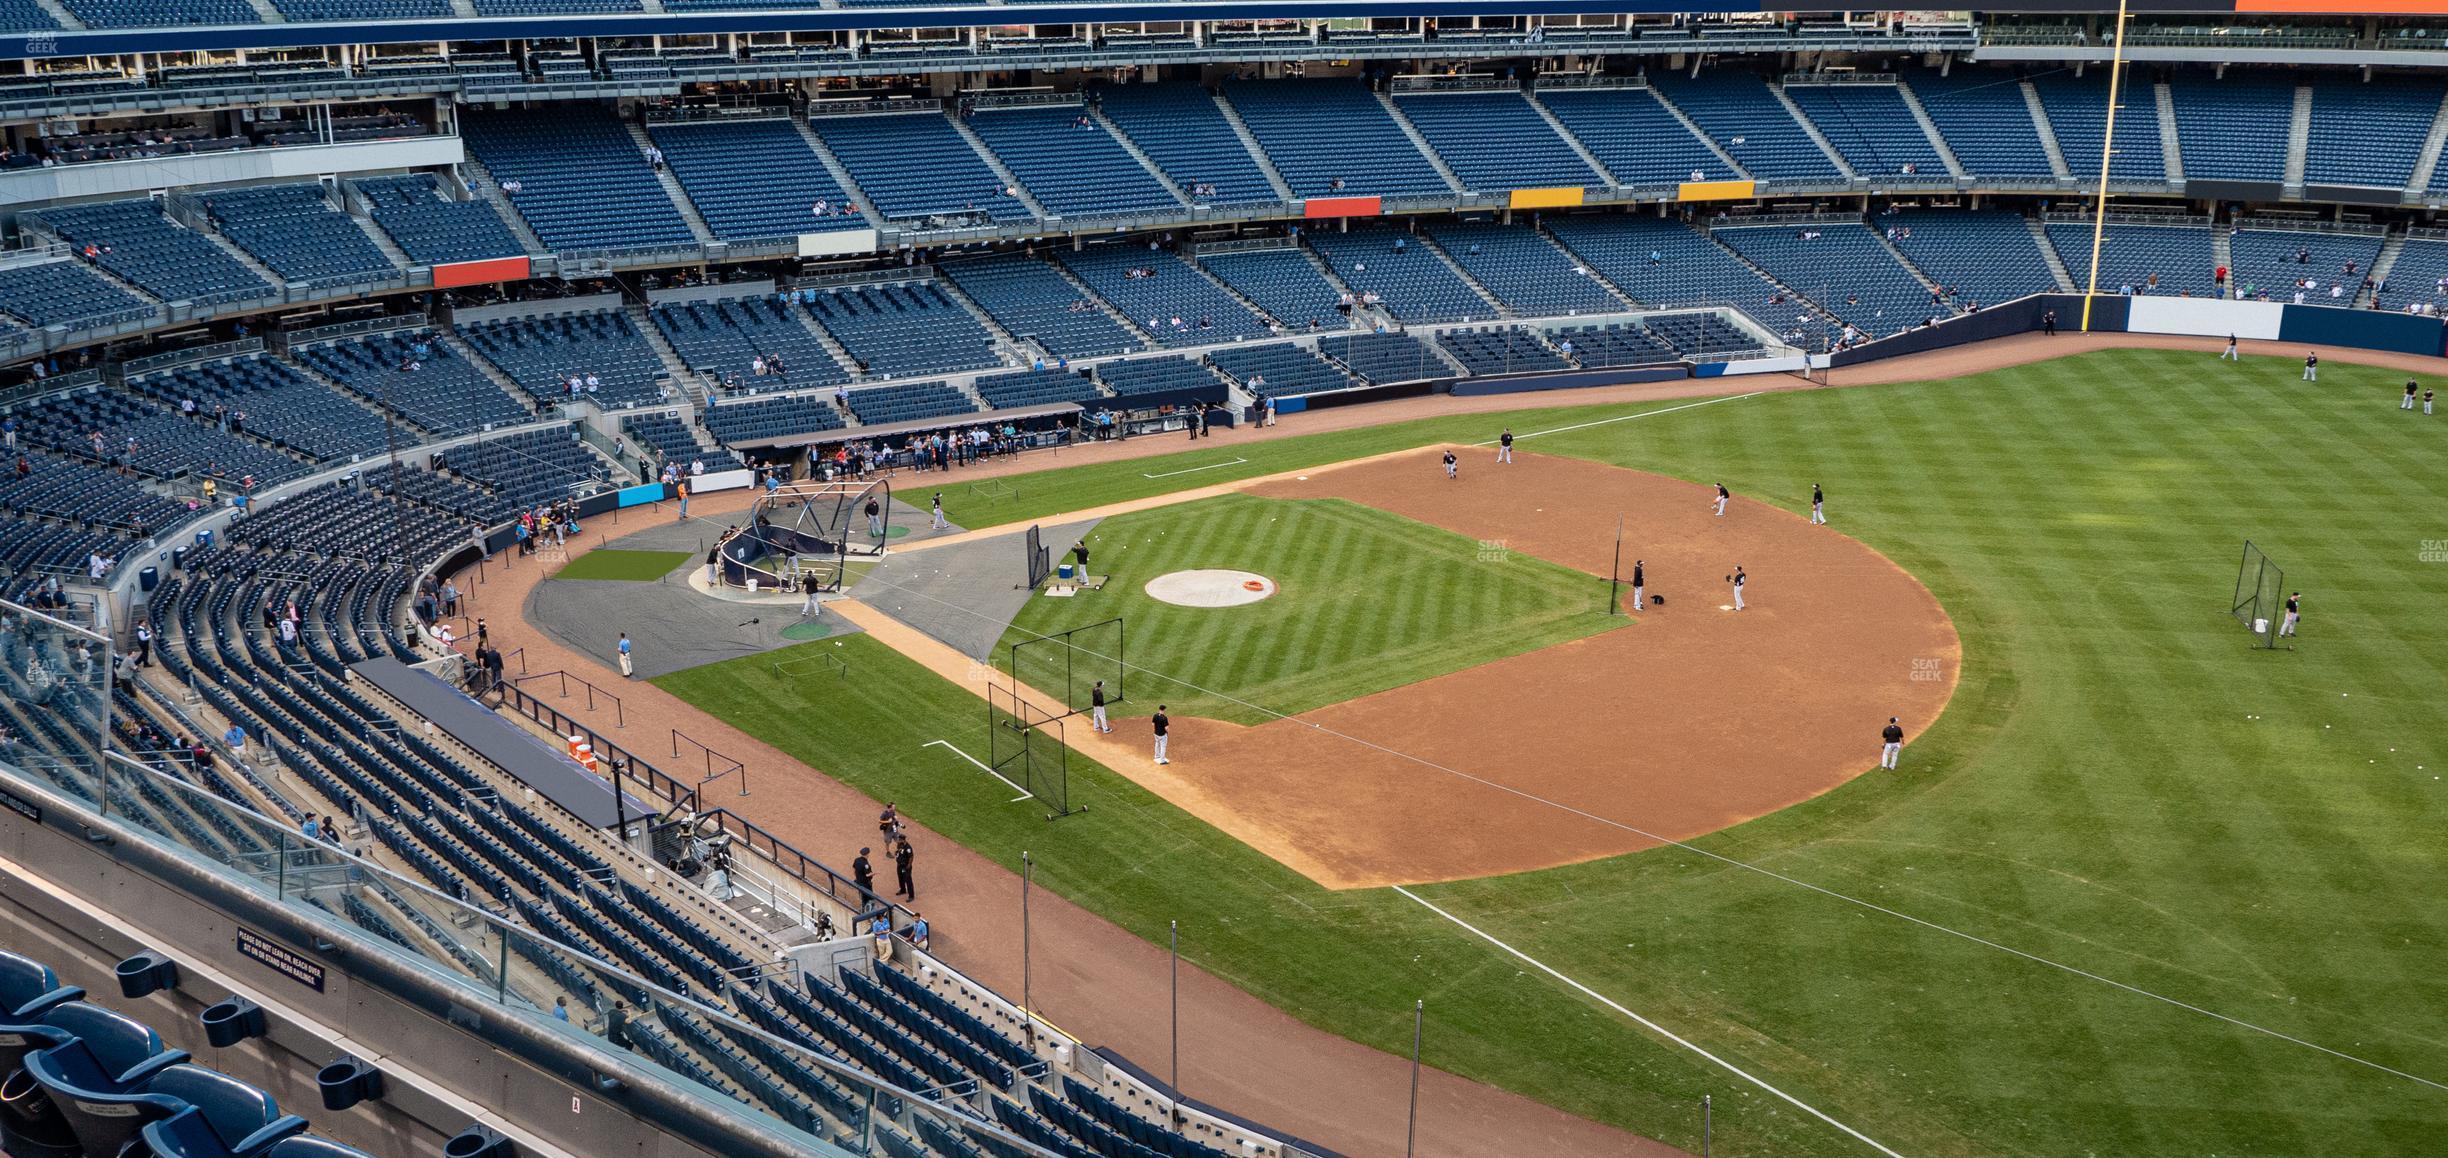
64	293
1664	263
1320	132
160	13
1504	350
1742	116
424	379
1155	287
2276	259
916	165
1986	122
1282	283
1872	128
735	421
221	1116
1982	255
432	229
1035	388
1279	369
1034	302
1069	162
1842	266
2078	117
754	179
726	338
96	1072
2178	257
1495	141
1383	357
541	353
1414	284
908	402
1636	138
1180	128
135	241
902	330
2371	133
1177	376
583	183
1523	270
2233	127
294	230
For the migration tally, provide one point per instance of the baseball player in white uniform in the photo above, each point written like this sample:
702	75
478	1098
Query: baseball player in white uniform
1892	737
1096	705
1738	580
2294	612
1818	506
1504	446
940	523
1640	576
1164	728
1723	496
1453	466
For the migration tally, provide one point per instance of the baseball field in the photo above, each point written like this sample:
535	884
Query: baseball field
2137	888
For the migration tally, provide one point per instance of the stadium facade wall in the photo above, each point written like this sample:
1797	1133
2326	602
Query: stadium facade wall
2210	316
2195	317
108	178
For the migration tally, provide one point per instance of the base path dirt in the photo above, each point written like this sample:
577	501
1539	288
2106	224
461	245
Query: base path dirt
1685	721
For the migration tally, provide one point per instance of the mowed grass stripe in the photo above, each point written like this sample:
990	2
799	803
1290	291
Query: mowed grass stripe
2095	794
1365	601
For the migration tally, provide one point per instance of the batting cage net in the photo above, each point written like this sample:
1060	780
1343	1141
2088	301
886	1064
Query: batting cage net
1066	665
1040	560
1024	746
2260	595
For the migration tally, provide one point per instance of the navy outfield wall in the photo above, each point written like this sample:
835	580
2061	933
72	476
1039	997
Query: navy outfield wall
2201	317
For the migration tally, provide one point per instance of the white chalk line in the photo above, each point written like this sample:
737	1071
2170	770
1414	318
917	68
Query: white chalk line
1651	1026
1625	417
1194	469
1025	794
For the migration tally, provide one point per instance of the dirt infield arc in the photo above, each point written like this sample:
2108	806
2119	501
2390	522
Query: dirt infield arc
1688	721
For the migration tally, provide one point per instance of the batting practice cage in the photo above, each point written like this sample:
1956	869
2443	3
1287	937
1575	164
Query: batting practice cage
807	530
1024	746
2260	596
1066	665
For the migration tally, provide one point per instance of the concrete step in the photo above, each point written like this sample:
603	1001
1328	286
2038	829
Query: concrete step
60	13
480	184
2056	262
2429	164
1145	162
1812	131
1138	331
2171	150
1010	180
1602	176
1929	128
2299	139
1693	127
1430	244
2048	136
1420	142
841	175
1249	141
2383	265
671	188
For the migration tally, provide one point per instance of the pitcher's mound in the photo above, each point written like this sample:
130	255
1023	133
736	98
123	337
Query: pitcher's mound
1210	588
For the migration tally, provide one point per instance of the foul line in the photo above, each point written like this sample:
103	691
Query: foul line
1651	1026
1025	794
1194	469
1622	418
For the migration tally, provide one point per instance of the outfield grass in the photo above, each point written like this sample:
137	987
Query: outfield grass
632	566
2121	785
1365	600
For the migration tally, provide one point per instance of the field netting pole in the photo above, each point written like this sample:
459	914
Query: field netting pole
1615	569
2099	212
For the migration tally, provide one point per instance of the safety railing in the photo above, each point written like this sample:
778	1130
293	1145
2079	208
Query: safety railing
653	779
801	867
595	696
716	764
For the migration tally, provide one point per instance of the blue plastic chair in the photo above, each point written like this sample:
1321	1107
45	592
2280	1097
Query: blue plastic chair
222	1117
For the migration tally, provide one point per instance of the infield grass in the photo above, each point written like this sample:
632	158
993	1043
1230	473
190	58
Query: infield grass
631	566
2121	786
1365	600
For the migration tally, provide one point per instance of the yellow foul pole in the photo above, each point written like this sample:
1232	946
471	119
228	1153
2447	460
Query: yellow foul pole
2099	211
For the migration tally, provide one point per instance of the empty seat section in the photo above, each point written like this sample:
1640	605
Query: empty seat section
1509	350
2275	259
916	165
1636	138
748	419
1744	118
1279	369
151	440
1412	283
581	182
2420	276
1384	357
2077	110
1283	283
1167	295
1138	377
1844	267
1523	270
2179	257
552	7
1871	127
57	486
2233	127
1986	122
432	229
908	402
528	468
541	354
1363	150
1035	388
295	230
1180	128
1073	166
64	293
900	330
727	338
424	379
1038	304
753	179
1980	255
1662	262
279	405
1495	141
2370	133
170	261
1621	344
1701	337
160	13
